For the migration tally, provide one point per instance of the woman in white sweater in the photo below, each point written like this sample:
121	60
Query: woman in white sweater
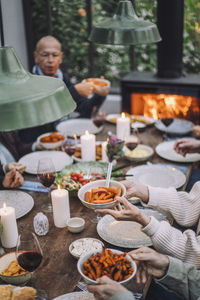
183	207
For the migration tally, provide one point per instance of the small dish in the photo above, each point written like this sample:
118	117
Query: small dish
83	258
56	139
5	260
95	184
140	153
82	246
76	225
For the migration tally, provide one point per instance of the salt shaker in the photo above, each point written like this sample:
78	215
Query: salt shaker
41	224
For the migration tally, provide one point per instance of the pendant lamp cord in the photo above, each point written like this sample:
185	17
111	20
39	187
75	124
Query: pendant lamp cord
1	26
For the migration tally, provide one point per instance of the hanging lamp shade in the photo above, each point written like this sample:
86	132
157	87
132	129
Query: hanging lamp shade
28	100
125	28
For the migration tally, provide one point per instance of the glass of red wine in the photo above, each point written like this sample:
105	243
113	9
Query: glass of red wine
28	252
133	140
98	117
46	175
167	121
70	146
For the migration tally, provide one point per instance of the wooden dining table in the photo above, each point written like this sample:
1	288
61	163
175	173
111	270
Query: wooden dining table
58	274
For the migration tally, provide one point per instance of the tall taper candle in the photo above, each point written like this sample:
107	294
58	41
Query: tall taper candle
123	127
88	147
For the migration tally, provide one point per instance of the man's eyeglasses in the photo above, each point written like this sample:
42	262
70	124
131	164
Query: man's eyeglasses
47	55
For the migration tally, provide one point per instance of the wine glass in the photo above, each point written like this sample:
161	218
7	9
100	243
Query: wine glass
28	252
132	141
46	175
98	117
96	173
70	145
167	121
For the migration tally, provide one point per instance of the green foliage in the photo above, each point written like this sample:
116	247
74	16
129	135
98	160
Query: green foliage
111	61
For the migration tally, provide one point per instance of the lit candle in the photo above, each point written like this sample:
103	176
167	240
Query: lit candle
104	151
10	232
88	148
61	209
123	127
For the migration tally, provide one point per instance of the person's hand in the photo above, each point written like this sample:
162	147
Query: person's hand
196	131
14	165
85	89
187	146
13	179
136	189
106	288
149	262
129	212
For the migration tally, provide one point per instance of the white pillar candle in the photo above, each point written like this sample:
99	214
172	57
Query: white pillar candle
61	209
104	151
9	235
88	148
123	127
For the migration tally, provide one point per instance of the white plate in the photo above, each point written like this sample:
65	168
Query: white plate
21	201
142	147
166	150
126	234
60	160
158	176
140	124
178	126
76	296
78	126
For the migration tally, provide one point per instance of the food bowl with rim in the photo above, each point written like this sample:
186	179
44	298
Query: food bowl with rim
100	82
96	184
5	260
82	246
140	153
76	225
85	257
51	140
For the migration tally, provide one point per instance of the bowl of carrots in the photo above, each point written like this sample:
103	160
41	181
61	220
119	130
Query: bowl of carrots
113	263
96	195
100	82
51	140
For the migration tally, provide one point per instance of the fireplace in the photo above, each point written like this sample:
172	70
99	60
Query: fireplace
169	93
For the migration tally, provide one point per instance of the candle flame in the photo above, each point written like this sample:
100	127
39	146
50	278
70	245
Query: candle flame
107	140
123	115
4	205
75	136
58	186
87	132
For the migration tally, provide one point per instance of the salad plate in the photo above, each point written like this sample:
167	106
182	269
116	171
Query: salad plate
76	296
178	127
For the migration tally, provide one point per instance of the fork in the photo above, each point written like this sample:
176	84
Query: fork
82	286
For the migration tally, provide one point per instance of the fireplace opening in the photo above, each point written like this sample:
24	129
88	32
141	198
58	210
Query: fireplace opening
165	106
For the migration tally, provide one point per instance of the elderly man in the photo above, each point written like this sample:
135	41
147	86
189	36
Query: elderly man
48	57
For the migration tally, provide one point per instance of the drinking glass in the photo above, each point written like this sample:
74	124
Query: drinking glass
28	252
167	121
133	140
98	117
69	146
46	175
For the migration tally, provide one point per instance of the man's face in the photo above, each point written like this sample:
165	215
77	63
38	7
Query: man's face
49	57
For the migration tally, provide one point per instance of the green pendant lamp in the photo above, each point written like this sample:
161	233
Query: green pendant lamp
28	100
125	28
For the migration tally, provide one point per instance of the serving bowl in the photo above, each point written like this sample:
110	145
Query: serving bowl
56	139
100	82
96	184
140	153
88	280
5	260
82	246
76	225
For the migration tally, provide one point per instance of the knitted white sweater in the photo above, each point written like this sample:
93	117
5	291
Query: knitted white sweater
185	209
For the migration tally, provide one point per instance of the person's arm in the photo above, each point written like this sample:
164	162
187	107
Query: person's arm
183	147
184	279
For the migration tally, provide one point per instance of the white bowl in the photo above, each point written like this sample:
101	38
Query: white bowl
130	154
87	244
76	225
5	260
52	145
82	259
95	184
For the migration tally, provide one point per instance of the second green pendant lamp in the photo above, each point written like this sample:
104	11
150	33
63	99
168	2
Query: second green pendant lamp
125	28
